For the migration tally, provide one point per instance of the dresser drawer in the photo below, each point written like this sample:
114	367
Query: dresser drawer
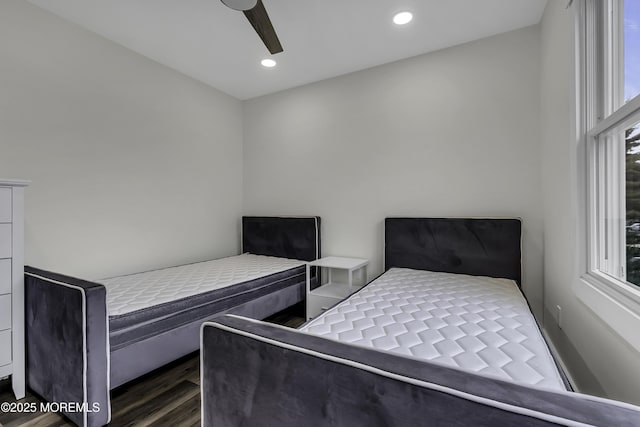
5	276
5	240
5	347
5	204
5	311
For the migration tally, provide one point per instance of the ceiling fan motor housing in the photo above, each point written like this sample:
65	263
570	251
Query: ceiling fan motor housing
240	4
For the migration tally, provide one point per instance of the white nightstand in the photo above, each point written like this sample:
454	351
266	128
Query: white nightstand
332	292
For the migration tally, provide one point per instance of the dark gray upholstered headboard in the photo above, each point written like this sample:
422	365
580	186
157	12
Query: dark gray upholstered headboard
285	237
479	247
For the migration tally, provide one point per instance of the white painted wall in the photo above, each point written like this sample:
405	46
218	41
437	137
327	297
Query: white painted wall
134	165
599	360
451	133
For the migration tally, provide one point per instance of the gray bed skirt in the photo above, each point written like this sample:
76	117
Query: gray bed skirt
257	374
132	361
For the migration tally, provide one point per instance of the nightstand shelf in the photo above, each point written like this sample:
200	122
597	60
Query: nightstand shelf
330	293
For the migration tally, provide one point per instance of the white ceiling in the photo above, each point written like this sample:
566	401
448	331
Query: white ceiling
321	38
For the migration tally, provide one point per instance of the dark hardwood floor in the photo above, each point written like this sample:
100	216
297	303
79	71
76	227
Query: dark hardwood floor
169	396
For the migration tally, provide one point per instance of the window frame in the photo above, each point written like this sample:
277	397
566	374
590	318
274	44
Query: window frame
600	80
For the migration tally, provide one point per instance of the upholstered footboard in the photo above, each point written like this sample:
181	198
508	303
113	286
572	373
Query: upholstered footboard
257	374
67	345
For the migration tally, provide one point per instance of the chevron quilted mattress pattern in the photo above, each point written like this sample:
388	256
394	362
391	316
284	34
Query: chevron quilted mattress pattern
476	324
126	294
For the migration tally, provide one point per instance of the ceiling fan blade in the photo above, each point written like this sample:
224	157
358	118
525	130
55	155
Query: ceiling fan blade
260	21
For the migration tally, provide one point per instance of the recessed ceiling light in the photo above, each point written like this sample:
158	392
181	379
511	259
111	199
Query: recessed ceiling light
402	18
269	63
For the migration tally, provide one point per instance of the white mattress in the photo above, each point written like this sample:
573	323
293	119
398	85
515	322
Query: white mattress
477	324
138	291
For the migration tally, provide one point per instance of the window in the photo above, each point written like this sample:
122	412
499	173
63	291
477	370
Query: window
611	65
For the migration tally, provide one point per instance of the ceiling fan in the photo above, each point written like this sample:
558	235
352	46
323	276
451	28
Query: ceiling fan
257	15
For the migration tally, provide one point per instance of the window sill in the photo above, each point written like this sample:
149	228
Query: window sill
614	302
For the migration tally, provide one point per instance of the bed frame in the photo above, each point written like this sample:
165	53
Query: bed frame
69	358
256	374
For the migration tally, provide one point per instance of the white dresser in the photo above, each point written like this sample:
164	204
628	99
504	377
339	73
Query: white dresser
12	283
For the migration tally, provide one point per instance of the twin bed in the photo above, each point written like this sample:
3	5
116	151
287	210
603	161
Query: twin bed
85	338
443	337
